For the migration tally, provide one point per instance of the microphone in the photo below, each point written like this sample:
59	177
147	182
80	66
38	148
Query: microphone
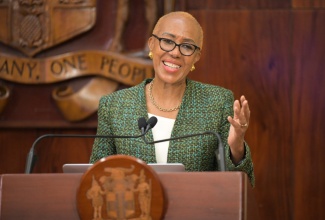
220	152
146	126
31	155
151	123
142	124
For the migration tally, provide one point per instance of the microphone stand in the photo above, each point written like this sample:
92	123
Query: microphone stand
31	155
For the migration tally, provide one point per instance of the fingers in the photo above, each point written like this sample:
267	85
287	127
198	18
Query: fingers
236	124
245	107
236	110
241	112
233	122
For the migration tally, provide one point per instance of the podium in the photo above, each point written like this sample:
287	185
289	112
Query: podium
191	195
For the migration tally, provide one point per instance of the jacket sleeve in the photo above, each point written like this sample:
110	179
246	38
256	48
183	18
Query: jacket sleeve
246	165
103	147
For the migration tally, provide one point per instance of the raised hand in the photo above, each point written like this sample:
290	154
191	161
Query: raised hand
238	127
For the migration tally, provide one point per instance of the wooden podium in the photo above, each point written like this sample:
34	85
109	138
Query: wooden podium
191	195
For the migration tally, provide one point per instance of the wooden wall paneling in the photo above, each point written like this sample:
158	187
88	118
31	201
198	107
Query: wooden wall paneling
53	152
248	51
32	106
308	114
235	4
14	146
308	3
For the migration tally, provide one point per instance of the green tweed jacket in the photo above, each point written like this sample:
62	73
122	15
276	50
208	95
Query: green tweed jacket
204	108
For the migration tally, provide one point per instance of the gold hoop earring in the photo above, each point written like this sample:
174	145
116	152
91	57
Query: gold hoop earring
150	55
193	68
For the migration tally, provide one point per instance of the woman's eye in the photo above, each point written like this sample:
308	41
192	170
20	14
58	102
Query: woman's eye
187	47
167	41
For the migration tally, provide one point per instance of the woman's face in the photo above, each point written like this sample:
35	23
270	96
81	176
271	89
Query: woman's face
173	67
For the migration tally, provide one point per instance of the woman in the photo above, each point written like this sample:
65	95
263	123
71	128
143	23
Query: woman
182	107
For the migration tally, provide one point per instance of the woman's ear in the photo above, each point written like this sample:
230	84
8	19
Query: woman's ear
197	57
150	43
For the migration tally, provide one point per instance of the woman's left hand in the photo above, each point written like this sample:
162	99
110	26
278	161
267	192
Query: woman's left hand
238	126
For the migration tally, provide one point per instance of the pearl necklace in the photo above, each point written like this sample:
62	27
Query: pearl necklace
156	105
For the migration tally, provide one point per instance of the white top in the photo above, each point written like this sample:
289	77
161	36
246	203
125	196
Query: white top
162	130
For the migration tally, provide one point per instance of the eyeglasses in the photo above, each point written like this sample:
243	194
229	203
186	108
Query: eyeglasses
169	45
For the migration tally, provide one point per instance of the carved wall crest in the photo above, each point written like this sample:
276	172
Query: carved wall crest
34	25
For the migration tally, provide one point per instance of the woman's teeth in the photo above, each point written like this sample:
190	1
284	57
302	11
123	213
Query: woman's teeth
171	65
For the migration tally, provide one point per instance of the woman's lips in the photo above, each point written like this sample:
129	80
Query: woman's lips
171	66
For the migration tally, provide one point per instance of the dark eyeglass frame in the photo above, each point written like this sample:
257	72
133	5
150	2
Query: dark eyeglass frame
175	45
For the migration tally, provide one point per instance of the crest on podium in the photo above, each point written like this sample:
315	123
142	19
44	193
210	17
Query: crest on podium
120	187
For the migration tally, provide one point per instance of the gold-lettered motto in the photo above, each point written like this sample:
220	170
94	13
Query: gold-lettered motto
129	71
106	68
